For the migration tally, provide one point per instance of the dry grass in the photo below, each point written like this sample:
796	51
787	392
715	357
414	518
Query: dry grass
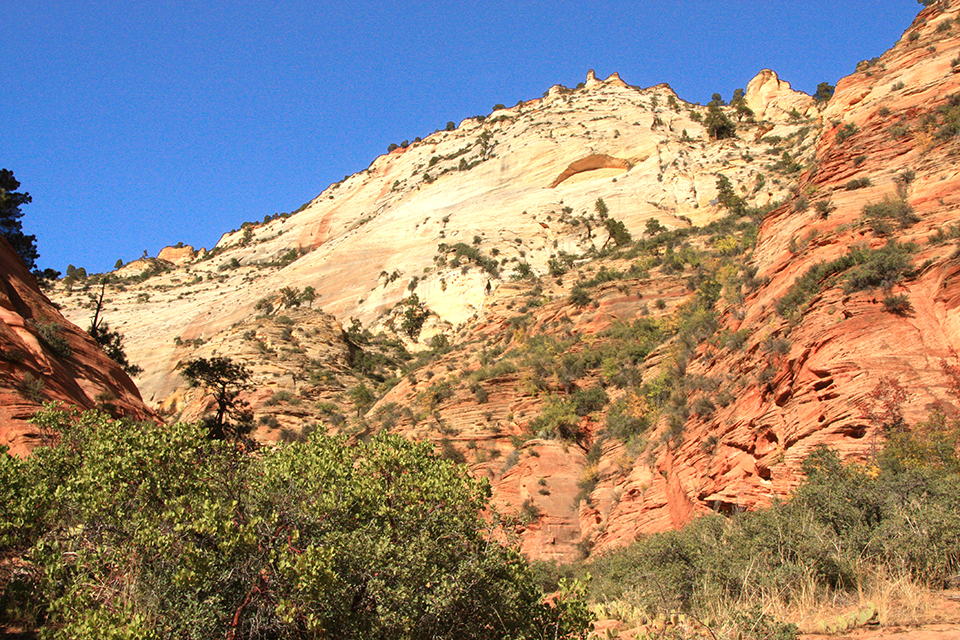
898	602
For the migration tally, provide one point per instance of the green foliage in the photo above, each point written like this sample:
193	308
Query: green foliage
880	268
579	297
289	297
623	424
414	315
225	379
522	271
111	341
308	295
586	401
844	525
787	164
718	125
618	232
10	226
560	264
846	131
949	118
897	304
31	386
156	531
51	334
866	269
362	398
728	198
559	420
889	210
739	103
653	227
601	208
466	253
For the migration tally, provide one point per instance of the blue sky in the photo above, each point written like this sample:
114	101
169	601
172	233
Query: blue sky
135	125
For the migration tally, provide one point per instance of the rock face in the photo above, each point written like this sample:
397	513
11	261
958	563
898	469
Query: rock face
43	358
843	343
483	243
769	97
363	242
177	255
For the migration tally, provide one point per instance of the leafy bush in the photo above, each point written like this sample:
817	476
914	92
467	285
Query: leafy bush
624	423
897	304
949	118
586	401
846	131
843	526
558	419
894	209
51	334
881	268
866	269
315	539
579	296
857	183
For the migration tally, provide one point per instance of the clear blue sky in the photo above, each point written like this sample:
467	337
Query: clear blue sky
135	125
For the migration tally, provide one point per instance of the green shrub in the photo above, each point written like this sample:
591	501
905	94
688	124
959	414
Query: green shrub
623	424
857	183
31	387
874	268
898	304
278	397
892	209
579	296
558	419
881	268
823	208
51	334
586	401
315	539
846	131
843	527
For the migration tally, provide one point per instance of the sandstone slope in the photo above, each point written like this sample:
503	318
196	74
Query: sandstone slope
494	227
44	357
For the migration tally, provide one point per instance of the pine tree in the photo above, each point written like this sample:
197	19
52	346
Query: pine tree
10	214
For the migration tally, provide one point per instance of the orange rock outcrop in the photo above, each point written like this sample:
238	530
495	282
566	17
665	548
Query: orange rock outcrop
44	358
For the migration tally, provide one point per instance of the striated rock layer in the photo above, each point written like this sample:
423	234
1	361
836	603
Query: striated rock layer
44	357
843	344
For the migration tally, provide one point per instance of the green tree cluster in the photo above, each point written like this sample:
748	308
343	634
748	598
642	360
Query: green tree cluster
718	125
846	528
154	531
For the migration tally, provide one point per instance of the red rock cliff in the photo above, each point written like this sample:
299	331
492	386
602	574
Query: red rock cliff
43	357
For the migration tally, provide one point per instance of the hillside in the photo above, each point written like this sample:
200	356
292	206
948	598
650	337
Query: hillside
44	358
606	388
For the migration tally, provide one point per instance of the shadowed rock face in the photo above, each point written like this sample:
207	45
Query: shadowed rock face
44	357
369	241
591	163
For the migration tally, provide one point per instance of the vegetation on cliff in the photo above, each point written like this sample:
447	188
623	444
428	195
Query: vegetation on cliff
848	529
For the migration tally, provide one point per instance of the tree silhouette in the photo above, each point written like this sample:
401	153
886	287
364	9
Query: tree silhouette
110	340
225	379
10	214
